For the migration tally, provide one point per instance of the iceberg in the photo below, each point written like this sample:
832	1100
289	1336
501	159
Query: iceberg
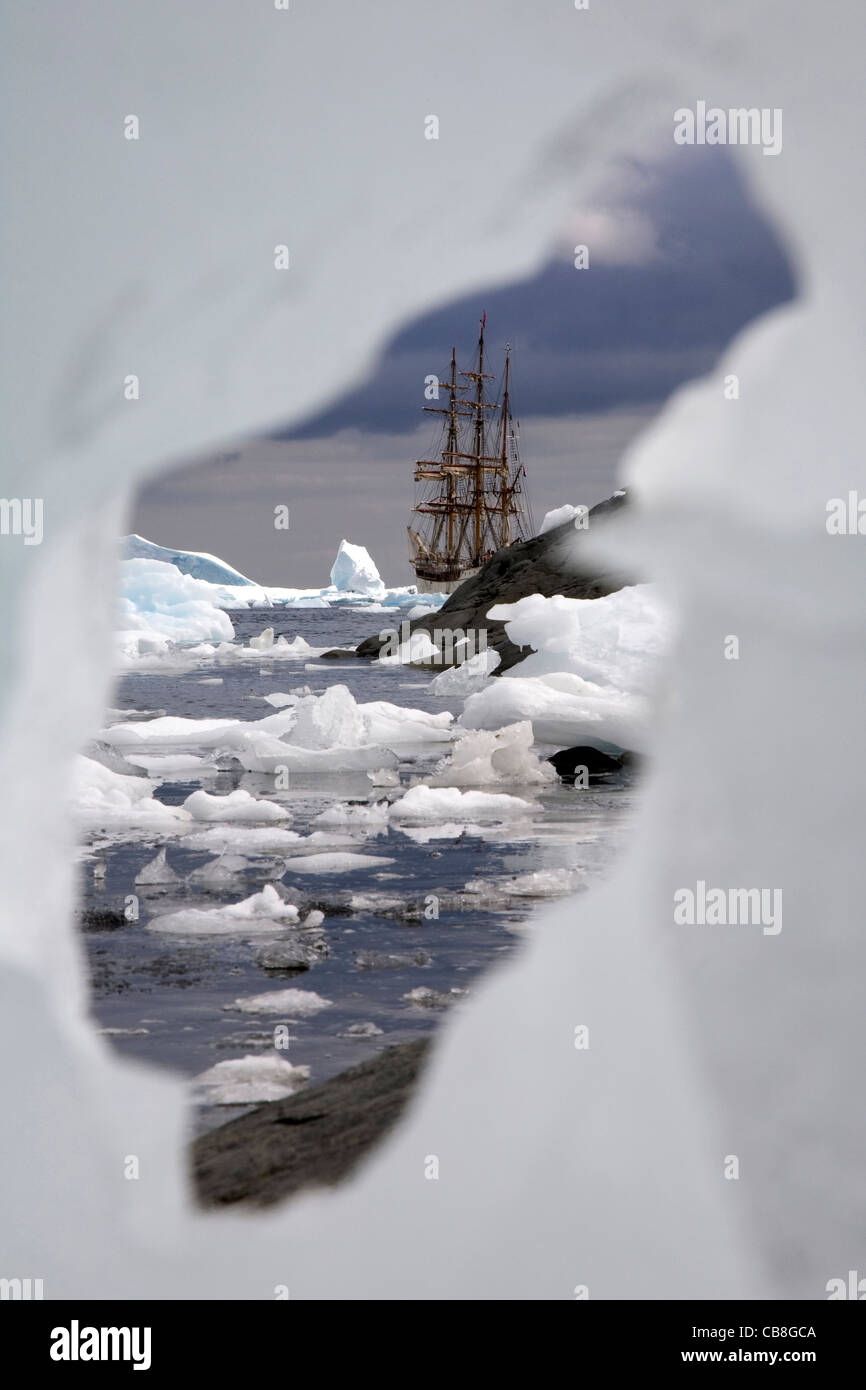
354	571
172	603
193	562
159	607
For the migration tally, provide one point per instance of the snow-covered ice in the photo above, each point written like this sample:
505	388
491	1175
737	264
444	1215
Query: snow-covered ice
559	516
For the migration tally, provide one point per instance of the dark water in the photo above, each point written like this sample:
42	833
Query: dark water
167	993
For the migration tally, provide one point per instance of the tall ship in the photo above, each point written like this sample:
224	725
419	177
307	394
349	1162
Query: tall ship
470	494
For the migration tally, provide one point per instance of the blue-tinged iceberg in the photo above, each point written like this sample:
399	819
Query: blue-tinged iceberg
173	599
193	562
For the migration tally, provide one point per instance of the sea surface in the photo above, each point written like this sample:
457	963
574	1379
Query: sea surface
167	999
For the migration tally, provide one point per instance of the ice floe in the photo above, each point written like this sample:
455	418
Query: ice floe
481	758
422	803
338	862
258	913
157	872
120	806
289	1003
234	806
250	1081
471	675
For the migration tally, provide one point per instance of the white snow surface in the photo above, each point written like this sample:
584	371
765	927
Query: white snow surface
620	1147
558	517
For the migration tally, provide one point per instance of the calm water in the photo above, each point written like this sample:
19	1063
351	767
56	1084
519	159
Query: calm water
166	994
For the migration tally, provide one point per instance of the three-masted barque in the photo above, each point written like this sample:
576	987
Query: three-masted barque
471	496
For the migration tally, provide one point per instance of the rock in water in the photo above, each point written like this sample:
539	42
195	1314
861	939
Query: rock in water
315	1137
596	763
546	564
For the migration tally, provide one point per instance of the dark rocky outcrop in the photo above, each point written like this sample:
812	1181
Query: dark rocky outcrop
597	764
315	1137
547	565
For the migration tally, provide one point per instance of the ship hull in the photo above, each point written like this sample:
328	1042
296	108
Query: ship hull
428	585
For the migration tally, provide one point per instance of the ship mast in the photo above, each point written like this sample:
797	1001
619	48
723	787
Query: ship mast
478	456
504	492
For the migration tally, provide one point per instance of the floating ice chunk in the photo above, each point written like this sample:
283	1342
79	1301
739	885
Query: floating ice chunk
290	1003
422	803
254	914
165	766
434	998
159	603
338	862
396	725
506	756
559	516
236	806
219	872
418	647
121	806
330	720
243	839
167	732
157	871
250	1081
543	883
362	1030
315	918
384	777
564	710
354	571
364	818
472	674
264	641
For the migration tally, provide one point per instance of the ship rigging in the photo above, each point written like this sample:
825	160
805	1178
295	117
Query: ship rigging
471	495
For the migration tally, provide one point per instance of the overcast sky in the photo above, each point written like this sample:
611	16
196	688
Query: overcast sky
679	262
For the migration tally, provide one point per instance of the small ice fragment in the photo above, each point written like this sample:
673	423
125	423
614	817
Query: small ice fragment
157	871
